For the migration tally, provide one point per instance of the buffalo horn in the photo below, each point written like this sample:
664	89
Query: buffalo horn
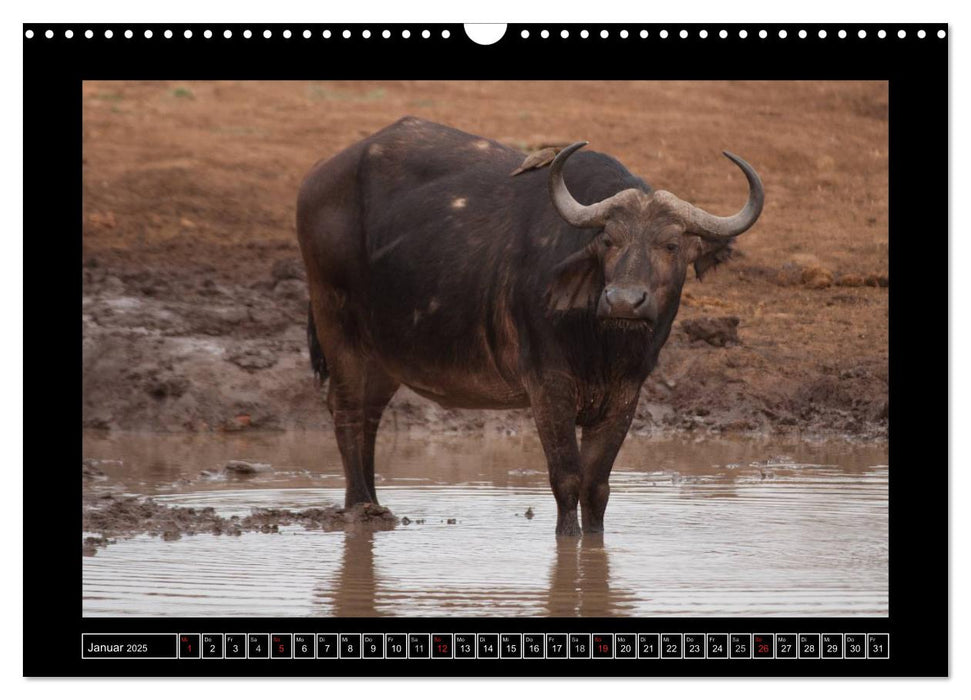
574	213
701	223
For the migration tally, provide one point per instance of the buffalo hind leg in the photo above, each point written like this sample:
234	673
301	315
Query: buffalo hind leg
379	388
357	395
598	449
552	400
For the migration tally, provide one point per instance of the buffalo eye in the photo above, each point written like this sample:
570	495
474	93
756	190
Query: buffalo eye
671	247
607	242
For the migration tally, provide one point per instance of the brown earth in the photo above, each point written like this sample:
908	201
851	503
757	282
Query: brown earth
194	301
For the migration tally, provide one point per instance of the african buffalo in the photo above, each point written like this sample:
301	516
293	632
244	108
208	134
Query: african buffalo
429	266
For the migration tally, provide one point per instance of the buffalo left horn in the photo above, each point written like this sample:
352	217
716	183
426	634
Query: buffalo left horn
701	223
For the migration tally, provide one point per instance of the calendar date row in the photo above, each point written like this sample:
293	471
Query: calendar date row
389	645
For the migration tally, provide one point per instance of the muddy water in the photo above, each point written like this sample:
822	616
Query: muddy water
707	528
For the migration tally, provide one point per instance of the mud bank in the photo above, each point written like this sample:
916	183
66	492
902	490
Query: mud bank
109	512
109	518
185	349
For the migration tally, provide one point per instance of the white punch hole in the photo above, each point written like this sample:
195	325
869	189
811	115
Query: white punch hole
485	34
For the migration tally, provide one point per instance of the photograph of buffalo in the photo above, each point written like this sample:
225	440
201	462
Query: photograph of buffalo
485	348
428	266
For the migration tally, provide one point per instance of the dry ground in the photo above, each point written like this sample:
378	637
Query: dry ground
194	304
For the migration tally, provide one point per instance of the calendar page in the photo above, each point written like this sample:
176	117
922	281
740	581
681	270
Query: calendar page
508	349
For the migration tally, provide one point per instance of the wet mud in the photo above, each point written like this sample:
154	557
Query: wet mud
113	518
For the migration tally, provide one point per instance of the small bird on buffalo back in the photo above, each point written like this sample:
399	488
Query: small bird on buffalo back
537	159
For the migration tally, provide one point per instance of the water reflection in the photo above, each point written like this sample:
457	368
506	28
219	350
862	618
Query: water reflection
354	592
580	582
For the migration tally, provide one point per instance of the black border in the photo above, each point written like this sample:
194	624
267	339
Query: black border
917	70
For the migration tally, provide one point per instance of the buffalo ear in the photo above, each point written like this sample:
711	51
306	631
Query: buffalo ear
577	284
706	255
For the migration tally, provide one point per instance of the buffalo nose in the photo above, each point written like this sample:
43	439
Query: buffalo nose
626	302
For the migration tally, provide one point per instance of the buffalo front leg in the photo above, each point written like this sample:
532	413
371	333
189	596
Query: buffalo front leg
599	447
554	411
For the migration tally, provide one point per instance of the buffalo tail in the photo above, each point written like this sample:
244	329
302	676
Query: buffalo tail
317	360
